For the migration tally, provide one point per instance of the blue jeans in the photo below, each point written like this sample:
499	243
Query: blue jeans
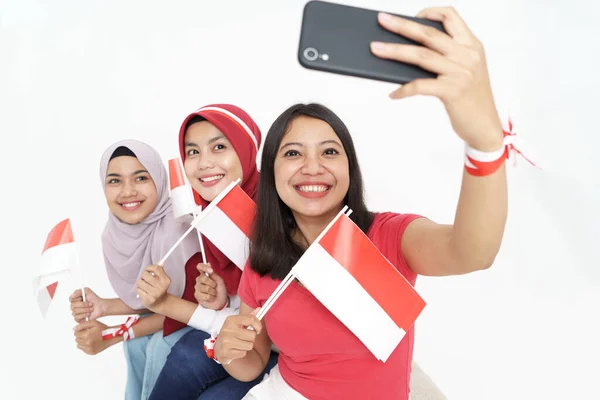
146	357
189	374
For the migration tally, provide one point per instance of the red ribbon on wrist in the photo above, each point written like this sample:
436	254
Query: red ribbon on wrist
224	305
209	348
124	330
479	163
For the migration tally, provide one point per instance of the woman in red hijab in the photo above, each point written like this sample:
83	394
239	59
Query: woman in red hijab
218	144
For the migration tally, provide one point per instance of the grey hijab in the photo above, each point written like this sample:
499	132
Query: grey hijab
129	249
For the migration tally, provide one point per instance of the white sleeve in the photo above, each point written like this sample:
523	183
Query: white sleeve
235	302
211	321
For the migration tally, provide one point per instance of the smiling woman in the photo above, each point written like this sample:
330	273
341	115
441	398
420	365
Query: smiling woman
211	162
318	170
297	159
129	189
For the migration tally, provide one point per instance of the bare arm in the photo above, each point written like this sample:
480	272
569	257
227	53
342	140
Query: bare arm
463	86
178	309
118	307
148	325
473	241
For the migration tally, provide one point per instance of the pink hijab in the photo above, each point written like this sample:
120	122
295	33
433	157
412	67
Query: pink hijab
128	249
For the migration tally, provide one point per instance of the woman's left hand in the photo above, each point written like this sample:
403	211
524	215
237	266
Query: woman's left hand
152	286
458	58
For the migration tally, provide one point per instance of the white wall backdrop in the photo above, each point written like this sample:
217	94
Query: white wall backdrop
76	76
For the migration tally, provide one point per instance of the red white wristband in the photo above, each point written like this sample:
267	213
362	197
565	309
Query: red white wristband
481	163
125	330
225	305
209	348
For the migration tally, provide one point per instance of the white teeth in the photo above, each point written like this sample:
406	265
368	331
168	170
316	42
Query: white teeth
211	178
313	188
131	205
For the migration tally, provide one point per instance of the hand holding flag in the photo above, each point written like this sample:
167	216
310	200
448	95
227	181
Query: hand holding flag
210	290
152	286
88	336
94	308
237	337
227	223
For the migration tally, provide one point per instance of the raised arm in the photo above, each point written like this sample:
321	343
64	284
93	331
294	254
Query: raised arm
463	85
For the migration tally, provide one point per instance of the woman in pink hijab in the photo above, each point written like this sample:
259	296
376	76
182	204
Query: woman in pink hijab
140	230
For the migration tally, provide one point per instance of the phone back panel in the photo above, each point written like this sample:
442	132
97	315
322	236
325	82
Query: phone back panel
336	38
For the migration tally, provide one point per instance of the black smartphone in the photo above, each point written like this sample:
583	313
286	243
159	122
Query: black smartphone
336	38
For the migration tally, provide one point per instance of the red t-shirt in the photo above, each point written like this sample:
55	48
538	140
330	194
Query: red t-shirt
319	357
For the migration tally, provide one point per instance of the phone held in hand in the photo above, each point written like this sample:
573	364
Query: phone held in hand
336	38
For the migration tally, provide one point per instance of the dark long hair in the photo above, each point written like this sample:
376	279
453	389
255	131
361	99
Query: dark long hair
273	250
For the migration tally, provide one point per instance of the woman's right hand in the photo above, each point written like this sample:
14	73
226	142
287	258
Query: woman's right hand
88	336
236	338
93	308
210	290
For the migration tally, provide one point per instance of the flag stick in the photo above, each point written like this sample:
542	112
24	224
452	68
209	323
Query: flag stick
200	240
80	273
162	261
83	290
201	247
81	276
275	295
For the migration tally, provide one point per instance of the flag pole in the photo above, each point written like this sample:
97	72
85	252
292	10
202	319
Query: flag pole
81	275
200	240
162	261
82	283
275	295
80	271
201	247
195	214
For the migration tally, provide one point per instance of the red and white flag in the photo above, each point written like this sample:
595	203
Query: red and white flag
346	272
59	257
181	193
227	223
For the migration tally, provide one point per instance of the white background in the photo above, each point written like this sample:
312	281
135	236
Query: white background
75	76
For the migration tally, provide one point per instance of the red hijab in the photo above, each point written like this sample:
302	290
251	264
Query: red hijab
245	137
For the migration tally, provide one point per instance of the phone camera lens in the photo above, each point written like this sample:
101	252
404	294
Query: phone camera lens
311	54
